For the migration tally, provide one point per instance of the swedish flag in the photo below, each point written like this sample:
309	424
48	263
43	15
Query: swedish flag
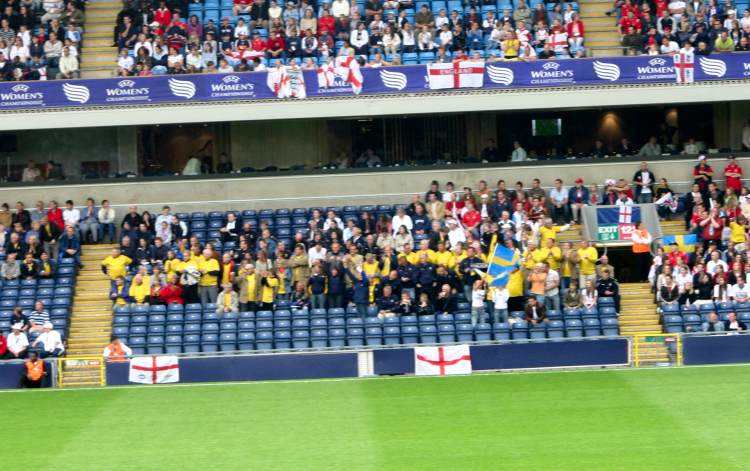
686	243
503	260
500	280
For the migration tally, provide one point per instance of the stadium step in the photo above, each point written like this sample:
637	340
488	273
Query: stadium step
638	313
91	315
675	227
601	33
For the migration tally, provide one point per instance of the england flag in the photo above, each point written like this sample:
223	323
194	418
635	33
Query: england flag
154	370
684	66
459	74
448	360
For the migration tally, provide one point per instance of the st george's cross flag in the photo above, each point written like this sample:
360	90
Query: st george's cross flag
457	74
448	360
347	68
154	370
684	66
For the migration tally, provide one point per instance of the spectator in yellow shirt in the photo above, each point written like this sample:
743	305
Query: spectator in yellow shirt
116	265
269	284
140	290
549	231
587	258
554	255
249	284
208	287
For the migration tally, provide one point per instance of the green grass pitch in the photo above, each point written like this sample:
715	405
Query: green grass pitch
651	419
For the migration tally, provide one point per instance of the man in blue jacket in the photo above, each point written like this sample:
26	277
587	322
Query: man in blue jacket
70	246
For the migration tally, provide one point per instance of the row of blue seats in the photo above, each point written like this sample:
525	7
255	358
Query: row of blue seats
30	292
676	323
58	312
357	336
28	303
728	306
40	283
125	330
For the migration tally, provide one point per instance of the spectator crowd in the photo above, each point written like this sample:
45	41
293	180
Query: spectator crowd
168	39
40	40
696	27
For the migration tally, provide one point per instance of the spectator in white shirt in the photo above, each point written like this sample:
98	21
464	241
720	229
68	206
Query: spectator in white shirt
18	343
331	217
107	220
714	262
739	291
125	64
519	153
50	342
340	8
559	201
669	47
71	215
401	219
316	252
456	233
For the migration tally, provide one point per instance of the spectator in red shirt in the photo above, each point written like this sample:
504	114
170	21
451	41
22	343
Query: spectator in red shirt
677	256
712	225
702	174
172	292
471	218
54	215
3	347
627	22
257	46
276	46
162	15
733	174
241	6
628	7
326	21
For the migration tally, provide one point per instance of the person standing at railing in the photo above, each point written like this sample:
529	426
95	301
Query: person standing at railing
641	250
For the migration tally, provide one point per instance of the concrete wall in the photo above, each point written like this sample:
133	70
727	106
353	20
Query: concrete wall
390	186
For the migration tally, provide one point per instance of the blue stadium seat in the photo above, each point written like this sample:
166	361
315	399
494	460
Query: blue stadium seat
427	332
337	337
610	327
301	339
574	328
191	343
392	335
246	341
501	331
673	324
155	344
173	344
137	344
537	331
209	342
282	339
520	330
409	334
374	336
355	336
555	329
228	341
446	333
174	329
444	319
319	338
592	328
264	340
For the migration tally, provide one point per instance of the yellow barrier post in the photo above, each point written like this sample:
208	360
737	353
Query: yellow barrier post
95	366
654	349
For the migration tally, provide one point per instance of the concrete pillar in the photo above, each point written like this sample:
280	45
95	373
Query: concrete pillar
127	150
722	125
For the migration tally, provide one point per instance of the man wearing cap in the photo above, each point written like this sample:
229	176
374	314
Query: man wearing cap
456	233
50	342
578	197
17	342
733	175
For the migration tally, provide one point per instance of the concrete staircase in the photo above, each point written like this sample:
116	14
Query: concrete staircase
90	320
573	235
675	227
98	56
639	317
602	37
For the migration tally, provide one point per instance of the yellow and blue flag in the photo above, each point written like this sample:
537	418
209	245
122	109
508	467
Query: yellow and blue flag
503	260
501	280
686	243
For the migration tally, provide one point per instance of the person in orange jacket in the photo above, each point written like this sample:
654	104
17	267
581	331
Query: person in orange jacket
34	372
